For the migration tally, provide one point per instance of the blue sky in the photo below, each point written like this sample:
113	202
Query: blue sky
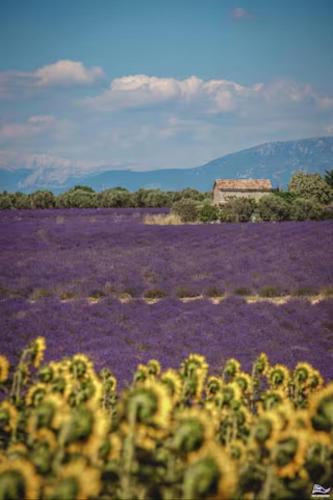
145	84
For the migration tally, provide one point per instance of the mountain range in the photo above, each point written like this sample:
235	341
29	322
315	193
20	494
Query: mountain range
273	160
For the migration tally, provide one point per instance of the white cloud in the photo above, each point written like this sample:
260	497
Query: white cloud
139	91
66	72
62	73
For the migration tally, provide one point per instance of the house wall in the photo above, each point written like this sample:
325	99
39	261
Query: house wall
222	196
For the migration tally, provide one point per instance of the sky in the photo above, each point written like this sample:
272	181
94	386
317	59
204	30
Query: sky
90	85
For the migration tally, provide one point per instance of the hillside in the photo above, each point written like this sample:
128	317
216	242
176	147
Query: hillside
275	160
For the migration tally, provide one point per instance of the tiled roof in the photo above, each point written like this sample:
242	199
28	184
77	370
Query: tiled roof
244	184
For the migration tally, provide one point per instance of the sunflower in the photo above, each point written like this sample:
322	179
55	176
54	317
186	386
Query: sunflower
18	479
76	480
230	394
47	437
267	428
192	429
154	367
289	452
245	382
90	444
261	364
270	399
35	394
174	383
321	409
4	368
278	377
213	386
8	416
80	365
192	363
141	373
302	373
38	348
211	474
231	368
149	403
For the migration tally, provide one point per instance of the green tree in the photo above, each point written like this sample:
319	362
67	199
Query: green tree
208	212
186	209
237	209
273	208
311	186
303	209
42	199
329	177
5	201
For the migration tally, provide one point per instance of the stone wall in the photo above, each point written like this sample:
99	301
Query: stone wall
222	196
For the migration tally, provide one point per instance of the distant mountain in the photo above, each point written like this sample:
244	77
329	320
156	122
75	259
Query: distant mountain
274	160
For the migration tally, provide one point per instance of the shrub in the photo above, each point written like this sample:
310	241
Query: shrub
5	201
81	199
237	210
242	291
269	291
214	291
187	210
21	200
304	209
304	291
114	198
208	213
155	293
311	186
42	199
273	208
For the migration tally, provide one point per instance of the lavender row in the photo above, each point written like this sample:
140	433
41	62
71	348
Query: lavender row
110	251
123	335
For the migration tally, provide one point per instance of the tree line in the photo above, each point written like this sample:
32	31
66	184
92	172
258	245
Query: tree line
309	196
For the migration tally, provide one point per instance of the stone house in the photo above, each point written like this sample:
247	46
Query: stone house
240	188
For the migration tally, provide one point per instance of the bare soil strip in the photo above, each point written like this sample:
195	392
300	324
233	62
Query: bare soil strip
249	299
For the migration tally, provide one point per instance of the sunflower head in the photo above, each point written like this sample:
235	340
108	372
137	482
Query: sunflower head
230	394
289	453
244	380
231	368
76	480
80	365
35	394
8	416
321	409
193	363
302	373
154	367
261	364
46	373
149	404
4	368
267	428
80	424
173	382
211	474
193	428
38	348
213	386
18	479
278	376
140	374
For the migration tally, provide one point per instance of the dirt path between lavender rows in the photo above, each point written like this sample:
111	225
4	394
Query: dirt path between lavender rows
249	299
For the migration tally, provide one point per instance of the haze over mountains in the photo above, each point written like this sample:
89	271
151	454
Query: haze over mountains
274	160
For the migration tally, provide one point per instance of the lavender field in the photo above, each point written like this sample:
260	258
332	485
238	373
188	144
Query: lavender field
53	260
